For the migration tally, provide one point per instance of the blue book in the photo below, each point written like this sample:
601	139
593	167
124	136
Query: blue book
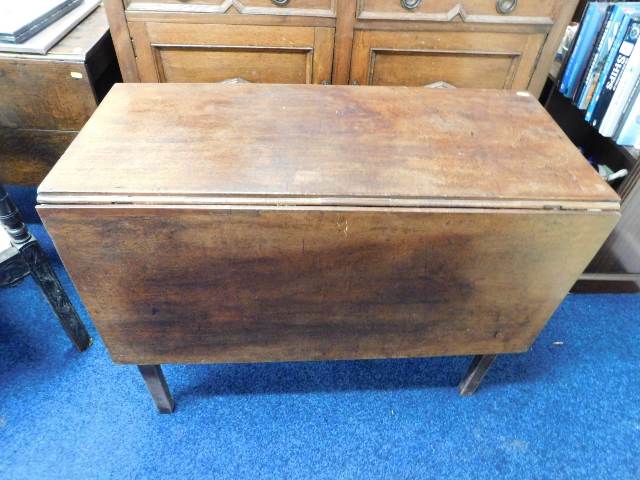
594	68
615	74
622	18
562	87
590	26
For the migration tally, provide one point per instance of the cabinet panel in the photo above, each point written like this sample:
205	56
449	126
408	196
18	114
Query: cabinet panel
212	53
463	59
265	65
523	11
319	8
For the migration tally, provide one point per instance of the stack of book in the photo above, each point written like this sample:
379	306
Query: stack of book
19	21
602	73
34	26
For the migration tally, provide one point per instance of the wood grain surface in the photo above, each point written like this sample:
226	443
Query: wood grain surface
27	155
334	145
479	59
169	53
225	284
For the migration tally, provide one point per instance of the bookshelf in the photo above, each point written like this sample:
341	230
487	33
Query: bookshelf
616	267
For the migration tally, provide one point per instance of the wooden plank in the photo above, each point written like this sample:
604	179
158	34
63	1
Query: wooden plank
338	142
346	17
322	55
229	19
122	40
222	284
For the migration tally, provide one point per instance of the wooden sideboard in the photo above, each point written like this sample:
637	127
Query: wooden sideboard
470	43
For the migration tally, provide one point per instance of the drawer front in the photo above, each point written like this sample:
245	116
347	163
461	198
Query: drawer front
222	284
315	8
484	11
172	52
462	59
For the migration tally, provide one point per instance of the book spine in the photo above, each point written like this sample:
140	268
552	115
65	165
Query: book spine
603	55
621	30
630	131
623	136
625	84
615	74
587	48
582	100
577	43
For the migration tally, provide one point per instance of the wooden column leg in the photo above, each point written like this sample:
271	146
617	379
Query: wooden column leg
42	272
157	385
477	370
45	277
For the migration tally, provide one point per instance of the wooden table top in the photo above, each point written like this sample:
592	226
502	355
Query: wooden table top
324	145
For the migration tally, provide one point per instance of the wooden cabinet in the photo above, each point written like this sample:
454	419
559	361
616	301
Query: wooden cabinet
471	43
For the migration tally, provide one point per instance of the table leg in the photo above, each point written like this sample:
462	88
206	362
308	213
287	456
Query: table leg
477	370
49	283
157	385
42	272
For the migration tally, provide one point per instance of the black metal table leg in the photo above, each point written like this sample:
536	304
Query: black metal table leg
477	370
42	272
157	385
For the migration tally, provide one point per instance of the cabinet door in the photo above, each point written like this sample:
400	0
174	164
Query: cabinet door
181	52
462	59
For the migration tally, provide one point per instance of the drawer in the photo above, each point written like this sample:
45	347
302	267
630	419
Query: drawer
491	11
179	52
462	59
317	8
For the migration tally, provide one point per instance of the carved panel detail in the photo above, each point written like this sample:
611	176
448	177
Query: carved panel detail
314	8
391	10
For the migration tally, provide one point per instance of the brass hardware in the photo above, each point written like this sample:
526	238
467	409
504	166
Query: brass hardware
410	4
280	3
506	6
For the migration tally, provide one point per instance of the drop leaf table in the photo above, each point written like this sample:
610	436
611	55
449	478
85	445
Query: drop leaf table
251	223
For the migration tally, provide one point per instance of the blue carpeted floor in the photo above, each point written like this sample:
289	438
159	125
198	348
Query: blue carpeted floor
570	408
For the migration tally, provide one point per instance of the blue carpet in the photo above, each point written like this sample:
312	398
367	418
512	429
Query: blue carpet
563	410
